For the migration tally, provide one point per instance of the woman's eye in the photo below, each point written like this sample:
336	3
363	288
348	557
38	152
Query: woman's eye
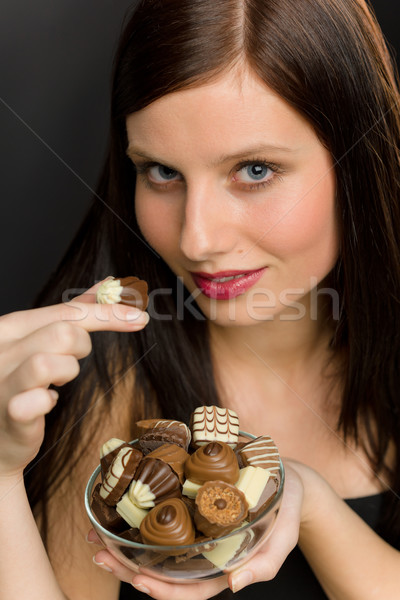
254	173
162	174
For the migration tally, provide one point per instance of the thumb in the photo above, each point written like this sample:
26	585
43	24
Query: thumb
265	564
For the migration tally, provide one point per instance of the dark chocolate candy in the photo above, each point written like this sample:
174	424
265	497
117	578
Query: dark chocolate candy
106	460
106	515
154	481
171	432
120	474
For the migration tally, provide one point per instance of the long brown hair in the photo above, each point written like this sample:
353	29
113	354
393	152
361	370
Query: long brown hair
327	58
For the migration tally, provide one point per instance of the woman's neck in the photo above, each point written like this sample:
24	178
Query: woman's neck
280	344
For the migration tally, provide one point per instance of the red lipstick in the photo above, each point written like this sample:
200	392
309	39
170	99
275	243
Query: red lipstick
225	285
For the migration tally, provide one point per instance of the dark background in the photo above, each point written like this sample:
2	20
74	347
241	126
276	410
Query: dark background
55	70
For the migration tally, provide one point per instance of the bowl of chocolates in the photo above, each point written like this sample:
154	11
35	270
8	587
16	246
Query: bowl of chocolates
186	503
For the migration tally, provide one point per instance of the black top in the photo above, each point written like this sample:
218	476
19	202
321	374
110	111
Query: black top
295	578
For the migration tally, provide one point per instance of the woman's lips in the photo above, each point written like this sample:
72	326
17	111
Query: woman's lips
226	284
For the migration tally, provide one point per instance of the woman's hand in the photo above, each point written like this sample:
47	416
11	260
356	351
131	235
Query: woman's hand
263	566
40	347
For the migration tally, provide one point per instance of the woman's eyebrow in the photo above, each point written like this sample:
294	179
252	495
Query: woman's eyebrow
133	151
253	151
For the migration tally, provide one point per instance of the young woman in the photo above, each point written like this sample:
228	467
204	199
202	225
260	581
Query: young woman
252	180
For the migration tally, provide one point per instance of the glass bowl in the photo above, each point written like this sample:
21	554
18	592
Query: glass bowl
195	562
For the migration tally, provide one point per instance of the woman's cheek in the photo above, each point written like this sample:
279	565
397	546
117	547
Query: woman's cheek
304	223
156	223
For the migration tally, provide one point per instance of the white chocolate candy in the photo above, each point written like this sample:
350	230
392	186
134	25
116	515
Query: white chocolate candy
110	445
212	423
190	488
119	475
131	513
228	549
140	494
109	292
252	481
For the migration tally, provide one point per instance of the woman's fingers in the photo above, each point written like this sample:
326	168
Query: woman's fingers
93	538
58	338
27	406
24	420
88	315
160	590
40	370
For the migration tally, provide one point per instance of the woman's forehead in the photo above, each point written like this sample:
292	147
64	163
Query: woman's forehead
228	112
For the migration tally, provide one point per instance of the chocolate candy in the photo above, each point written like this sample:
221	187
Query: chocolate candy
216	460
168	524
203	544
220	508
212	423
119	474
261	452
227	550
132	535
107	515
226	485
109	451
154	481
172	432
267	495
258	487
131	291
131	513
172	454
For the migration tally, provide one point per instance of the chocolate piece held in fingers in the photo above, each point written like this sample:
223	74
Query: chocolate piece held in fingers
131	291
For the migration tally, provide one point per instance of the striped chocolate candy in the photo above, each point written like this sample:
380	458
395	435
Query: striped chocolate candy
261	452
212	424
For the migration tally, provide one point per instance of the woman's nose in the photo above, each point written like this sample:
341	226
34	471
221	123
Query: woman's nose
208	226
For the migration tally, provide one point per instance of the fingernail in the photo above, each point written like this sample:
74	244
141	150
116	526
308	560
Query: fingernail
54	394
89	541
138	316
102	565
141	588
240	580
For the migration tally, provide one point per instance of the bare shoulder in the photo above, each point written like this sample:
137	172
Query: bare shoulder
71	555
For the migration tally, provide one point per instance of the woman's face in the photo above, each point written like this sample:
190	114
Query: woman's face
236	193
